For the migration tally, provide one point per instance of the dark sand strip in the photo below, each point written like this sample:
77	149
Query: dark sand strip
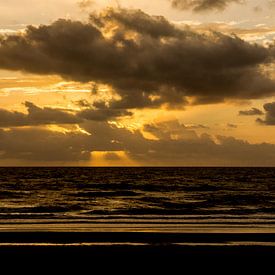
205	251
153	238
172	258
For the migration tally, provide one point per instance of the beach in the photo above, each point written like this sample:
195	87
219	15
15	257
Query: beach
143	246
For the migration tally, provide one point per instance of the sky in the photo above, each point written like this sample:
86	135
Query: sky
137	83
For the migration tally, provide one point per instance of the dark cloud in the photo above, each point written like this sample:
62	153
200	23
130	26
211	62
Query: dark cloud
99	111
203	150
46	115
37	144
269	114
103	114
202	5
109	137
146	59
170	130
31	144
41	145
36	116
252	112
8	118
42	116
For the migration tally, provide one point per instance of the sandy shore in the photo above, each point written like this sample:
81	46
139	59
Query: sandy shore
173	253
111	245
148	238
170	259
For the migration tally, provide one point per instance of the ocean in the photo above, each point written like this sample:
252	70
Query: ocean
160	217
137	199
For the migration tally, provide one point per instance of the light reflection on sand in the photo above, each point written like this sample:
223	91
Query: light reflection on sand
134	227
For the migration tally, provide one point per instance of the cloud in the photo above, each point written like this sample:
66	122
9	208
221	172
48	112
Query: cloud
45	116
170	130
8	118
269	114
99	110
146	60
36	116
32	144
252	112
202	5
204	150
103	114
184	149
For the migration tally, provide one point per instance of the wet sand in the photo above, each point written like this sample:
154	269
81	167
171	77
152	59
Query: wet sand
138	238
141	247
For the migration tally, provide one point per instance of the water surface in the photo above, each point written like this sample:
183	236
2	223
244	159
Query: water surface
138	199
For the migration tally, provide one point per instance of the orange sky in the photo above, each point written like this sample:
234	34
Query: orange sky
78	118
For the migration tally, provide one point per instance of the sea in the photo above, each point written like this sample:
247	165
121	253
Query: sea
137	199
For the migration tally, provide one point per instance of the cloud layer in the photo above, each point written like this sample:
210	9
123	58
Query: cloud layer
36	116
175	145
147	60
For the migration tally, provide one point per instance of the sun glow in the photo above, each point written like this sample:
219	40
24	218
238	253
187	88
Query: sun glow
111	158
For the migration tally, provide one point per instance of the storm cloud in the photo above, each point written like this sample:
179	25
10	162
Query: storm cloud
202	5
147	60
